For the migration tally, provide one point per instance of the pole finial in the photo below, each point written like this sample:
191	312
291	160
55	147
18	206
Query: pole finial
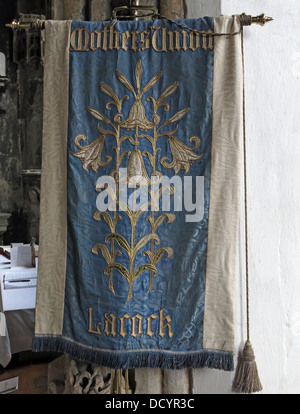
262	19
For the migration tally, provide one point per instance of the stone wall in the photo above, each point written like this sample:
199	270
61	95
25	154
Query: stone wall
11	191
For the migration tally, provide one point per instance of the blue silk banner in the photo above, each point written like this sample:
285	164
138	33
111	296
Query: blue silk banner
139	147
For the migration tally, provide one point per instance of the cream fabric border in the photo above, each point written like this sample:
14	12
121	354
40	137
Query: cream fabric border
225	186
53	208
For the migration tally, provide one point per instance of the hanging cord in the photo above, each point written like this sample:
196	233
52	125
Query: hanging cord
184	27
246	378
245	194
201	32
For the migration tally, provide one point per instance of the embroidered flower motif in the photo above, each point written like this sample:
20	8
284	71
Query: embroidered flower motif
183	155
136	171
90	155
137	114
137	117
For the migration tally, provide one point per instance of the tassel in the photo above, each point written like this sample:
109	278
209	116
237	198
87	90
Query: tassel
246	378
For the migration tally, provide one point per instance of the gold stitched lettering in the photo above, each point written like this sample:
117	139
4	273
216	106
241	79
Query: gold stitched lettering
138	318
149	331
82	36
91	330
122	324
105	38
210	41
163	325
171	41
110	39
125	37
96	37
163	39
184	40
134	38
177	40
114	326
110	324
114	37
204	42
194	41
145	43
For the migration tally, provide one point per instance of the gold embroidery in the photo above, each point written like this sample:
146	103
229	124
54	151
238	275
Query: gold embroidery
114	326
149	321
163	325
122	324
110	324
90	154
183	156
136	320
161	40
137	175
91	330
80	39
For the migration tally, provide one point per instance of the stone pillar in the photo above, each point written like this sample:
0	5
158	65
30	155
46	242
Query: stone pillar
100	10
69	10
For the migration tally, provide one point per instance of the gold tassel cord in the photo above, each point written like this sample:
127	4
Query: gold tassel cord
246	377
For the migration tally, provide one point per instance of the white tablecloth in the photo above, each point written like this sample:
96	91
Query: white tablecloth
19	330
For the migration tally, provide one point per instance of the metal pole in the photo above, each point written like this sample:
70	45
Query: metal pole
246	20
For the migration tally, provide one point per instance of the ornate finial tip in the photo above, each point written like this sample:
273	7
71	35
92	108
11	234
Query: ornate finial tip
268	19
262	19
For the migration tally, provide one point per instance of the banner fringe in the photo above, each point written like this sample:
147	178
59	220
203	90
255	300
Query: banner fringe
215	359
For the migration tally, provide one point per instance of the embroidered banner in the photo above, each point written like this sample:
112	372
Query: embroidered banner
140	192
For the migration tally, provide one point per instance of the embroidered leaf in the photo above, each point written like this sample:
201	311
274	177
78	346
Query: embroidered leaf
124	137
98	214
122	78
196	140
104	251
164	216
119	267
144	240
96	114
115	254
168	133
149	254
122	242
123	154
167	92
105	131
138	74
143	268
150	156
159	254
152	82
176	117
108	91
